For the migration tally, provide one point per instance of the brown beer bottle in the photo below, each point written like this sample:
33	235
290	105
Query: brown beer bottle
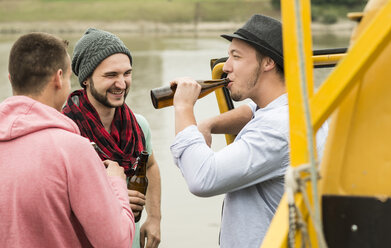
163	96
139	181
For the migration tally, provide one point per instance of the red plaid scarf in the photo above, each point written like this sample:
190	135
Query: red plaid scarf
124	143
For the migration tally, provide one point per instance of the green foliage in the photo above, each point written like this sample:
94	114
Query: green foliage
168	11
231	11
329	18
329	11
276	4
339	2
132	10
326	15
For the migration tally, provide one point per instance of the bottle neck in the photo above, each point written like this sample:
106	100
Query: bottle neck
215	83
142	162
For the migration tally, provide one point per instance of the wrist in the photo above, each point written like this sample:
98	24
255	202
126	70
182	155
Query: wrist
154	217
181	108
184	117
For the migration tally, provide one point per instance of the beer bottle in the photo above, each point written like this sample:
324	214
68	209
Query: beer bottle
139	181
163	96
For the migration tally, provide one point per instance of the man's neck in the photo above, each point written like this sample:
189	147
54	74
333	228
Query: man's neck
49	96
268	91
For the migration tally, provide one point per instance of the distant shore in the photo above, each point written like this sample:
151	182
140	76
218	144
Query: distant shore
77	27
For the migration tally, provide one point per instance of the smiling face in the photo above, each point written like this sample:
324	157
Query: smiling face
243	69
109	84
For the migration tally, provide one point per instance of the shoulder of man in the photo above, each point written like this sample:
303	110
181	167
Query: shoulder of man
146	130
74	141
142	122
74	148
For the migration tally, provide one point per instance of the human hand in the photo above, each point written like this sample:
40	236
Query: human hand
205	128
136	201
187	92
114	170
150	230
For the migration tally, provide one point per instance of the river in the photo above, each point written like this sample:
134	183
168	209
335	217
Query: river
187	221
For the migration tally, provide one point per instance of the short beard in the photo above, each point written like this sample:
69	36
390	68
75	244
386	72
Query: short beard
103	98
250	84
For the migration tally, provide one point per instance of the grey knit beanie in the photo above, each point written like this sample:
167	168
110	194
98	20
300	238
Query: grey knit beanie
95	46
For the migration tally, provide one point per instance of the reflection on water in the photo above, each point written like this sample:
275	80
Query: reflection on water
157	60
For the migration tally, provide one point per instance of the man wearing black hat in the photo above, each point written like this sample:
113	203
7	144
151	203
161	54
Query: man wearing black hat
103	65
250	171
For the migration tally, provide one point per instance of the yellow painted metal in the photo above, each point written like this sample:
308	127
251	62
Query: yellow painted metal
370	10
355	16
277	235
298	134
217	71
369	45
356	160
359	162
329	59
216	74
293	80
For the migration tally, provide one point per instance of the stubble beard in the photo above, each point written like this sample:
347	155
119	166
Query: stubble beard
102	99
238	96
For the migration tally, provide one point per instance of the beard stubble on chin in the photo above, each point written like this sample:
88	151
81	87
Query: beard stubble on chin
103	98
238	96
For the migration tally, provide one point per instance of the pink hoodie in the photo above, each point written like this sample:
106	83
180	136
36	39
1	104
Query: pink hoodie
54	191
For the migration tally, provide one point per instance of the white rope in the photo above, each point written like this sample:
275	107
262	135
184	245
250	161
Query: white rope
295	183
313	169
296	221
291	188
291	185
317	226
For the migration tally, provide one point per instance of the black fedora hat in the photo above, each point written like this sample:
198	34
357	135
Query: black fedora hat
264	34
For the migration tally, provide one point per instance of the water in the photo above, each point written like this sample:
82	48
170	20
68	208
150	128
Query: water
187	220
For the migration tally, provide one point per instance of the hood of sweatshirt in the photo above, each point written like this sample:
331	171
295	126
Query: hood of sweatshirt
21	115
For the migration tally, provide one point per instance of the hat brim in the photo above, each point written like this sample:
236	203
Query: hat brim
264	50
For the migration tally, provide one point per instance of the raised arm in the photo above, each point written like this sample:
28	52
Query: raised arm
230	122
185	97
151	227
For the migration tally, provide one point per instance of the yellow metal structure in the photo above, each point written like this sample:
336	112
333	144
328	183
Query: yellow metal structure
355	98
330	59
357	158
217	72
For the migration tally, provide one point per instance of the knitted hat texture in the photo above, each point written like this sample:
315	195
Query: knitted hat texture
92	48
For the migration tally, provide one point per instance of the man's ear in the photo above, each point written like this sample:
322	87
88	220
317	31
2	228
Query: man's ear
268	64
57	78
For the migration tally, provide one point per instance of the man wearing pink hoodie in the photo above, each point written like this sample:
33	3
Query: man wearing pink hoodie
55	190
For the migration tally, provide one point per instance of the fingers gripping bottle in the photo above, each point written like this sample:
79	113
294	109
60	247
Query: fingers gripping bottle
139	181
